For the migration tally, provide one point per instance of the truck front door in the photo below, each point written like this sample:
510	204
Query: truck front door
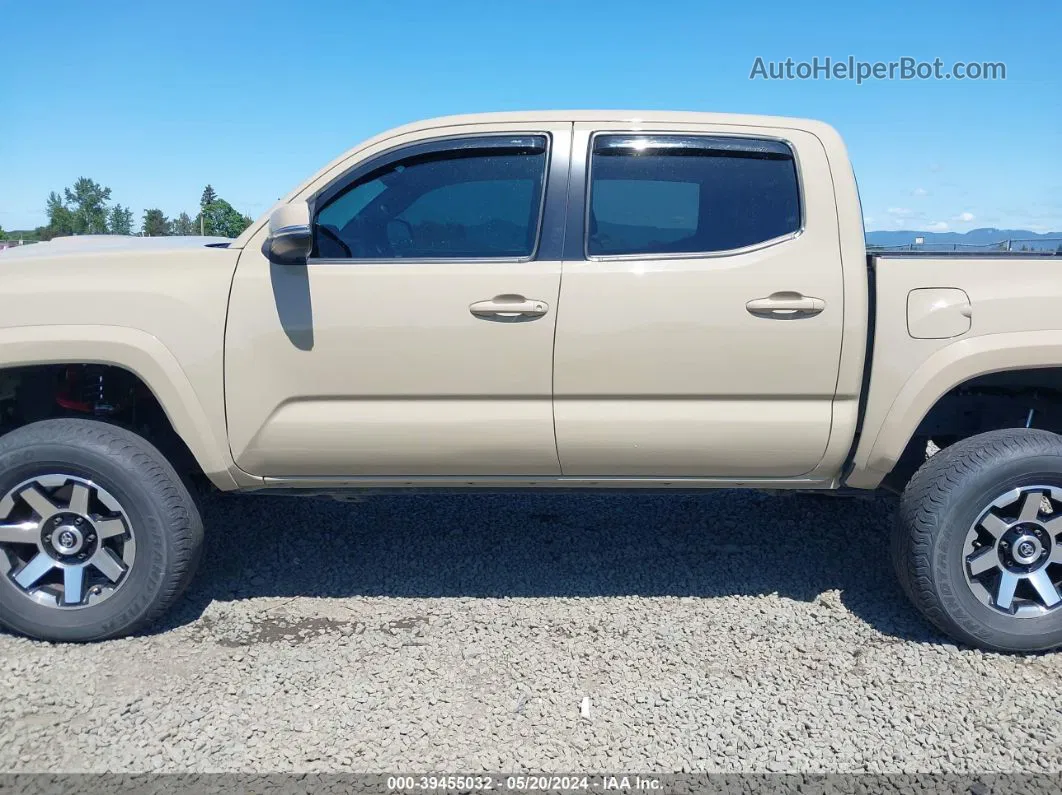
418	339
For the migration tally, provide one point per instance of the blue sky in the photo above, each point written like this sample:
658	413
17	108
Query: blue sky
155	99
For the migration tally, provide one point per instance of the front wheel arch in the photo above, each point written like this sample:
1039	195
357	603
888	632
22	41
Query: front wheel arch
200	424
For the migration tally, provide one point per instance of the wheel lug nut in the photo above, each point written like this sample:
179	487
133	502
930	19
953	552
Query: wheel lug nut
57	520
82	556
91	537
79	520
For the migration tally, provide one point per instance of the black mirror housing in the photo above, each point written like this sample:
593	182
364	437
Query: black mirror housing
289	245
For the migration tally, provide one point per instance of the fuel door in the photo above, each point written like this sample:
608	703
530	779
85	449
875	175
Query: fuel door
938	313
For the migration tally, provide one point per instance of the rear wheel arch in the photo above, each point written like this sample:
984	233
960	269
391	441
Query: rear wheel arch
891	427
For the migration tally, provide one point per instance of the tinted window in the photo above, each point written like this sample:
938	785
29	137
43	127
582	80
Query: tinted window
480	199
677	194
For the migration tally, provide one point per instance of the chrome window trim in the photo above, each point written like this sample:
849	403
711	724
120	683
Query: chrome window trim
730	252
414	260
703	141
443	143
292	229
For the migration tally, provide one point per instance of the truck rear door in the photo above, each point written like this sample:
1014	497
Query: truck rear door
701	307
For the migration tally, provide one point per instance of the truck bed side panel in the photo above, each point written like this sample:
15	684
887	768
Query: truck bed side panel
1013	324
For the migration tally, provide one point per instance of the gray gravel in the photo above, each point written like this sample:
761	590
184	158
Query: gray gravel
729	631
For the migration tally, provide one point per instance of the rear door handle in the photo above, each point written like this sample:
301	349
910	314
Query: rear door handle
509	307
785	306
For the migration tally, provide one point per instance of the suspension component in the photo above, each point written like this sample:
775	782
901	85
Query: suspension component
94	389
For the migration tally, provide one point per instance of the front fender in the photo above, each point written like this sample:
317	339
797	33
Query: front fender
148	358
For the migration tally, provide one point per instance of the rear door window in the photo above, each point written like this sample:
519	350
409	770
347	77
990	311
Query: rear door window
689	194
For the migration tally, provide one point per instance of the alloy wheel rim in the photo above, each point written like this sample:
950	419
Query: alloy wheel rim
1012	558
65	542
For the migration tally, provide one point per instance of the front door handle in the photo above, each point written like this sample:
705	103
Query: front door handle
785	306
509	307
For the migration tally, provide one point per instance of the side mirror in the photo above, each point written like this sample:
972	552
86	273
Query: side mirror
290	238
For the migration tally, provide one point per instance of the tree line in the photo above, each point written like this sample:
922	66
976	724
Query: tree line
86	209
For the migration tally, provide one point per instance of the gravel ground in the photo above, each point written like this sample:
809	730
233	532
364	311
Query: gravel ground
729	631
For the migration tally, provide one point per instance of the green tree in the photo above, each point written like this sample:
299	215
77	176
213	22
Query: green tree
3	234
155	223
120	220
222	219
80	210
60	219
183	225
87	202
209	196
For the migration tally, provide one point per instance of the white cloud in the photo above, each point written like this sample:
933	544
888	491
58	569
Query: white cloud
903	217
937	226
964	217
919	192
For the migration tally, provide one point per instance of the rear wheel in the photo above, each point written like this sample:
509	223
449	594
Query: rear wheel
978	542
98	534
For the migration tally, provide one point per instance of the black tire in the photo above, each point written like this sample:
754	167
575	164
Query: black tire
941	503
169	531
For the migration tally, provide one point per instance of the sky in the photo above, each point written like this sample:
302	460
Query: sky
156	99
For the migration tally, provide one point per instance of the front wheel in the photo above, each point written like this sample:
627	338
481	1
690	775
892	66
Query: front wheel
978	541
98	534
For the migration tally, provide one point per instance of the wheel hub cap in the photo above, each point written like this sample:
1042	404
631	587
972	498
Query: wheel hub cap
65	542
1026	550
1013	552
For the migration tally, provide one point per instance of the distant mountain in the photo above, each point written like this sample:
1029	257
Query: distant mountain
986	237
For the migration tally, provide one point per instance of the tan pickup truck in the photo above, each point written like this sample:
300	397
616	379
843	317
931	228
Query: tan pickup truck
605	300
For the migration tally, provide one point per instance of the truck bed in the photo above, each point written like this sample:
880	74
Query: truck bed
952	254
